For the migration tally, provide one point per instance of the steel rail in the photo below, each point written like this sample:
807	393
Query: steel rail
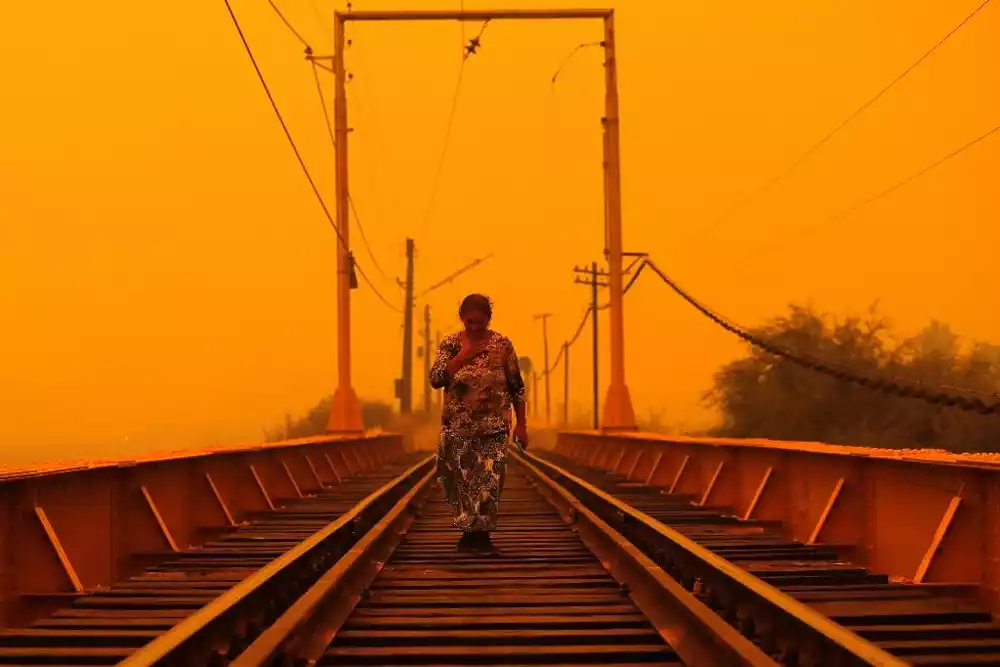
472	14
848	646
698	636
695	632
346	579
194	632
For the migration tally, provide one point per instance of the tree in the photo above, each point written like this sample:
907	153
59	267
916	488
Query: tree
761	395
314	422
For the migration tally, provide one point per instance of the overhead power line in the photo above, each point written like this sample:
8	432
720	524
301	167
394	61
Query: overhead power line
631	282
586	316
579	329
288	25
350	198
470	50
894	386
843	213
826	138
562	65
298	156
461	25
444	281
320	21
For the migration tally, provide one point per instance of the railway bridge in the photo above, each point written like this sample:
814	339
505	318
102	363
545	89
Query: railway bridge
616	546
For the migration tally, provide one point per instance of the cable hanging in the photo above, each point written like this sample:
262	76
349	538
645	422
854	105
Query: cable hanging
746	201
586	316
444	281
892	188
288	25
895	386
350	198
635	276
470	50
298	156
579	47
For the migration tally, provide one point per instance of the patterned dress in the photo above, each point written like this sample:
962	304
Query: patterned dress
475	427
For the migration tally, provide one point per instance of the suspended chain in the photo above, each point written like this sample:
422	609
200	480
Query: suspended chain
885	386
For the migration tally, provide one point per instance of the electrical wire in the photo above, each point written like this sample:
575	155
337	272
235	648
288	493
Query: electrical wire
579	329
474	44
329	127
461	25
319	21
843	213
322	101
444	146
894	386
568	344
586	316
298	156
441	283
377	293
635	276
579	47
555	364
350	198
816	146
289	26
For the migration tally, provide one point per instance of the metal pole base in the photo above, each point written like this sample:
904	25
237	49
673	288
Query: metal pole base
345	413
618	412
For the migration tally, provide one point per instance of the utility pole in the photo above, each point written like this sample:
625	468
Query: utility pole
566	384
594	280
544	317
437	345
405	389
529	376
427	359
345	412
619	413
594	310
534	392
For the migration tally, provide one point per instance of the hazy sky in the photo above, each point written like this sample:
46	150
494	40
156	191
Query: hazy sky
168	278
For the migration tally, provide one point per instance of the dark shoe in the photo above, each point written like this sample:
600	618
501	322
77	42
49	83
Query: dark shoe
467	542
482	543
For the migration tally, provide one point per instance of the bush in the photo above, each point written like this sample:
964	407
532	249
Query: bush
373	414
761	395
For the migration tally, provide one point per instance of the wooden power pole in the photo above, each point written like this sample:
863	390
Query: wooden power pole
427	359
437	345
594	280
405	389
534	392
544	317
565	419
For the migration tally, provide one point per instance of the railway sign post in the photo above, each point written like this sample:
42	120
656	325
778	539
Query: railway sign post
618	412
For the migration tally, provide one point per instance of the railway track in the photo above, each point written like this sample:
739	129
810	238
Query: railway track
367	573
107	626
915	624
563	589
543	596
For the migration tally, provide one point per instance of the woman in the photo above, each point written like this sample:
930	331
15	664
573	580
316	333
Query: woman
478	370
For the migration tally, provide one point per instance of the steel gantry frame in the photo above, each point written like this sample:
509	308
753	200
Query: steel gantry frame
345	415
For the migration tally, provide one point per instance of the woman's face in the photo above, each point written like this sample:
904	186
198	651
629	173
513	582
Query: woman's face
475	322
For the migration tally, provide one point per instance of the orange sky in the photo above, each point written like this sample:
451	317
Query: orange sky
167	279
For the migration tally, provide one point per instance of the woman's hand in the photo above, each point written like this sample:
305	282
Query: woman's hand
521	433
469	350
